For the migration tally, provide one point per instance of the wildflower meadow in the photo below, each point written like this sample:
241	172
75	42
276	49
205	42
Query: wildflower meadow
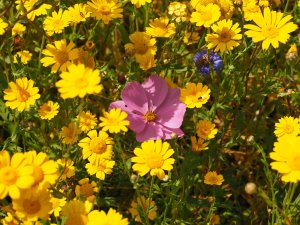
152	112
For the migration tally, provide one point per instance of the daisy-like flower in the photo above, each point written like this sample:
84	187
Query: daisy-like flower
66	168
111	218
212	178
77	13
225	37
18	29
154	110
206	15
195	95
250	9
206	129
226	7
33	204
99	166
286	154
76	212
142	47
191	38
287	126
28	5
86	189
203	60
96	144
195	3
87	121
198	145
60	54
114	121
105	10
57	204
48	110
24	55
44	170
271	28
15	174
3	25
161	27
139	3
85	59
148	206
9	220
21	94
70	133
56	23
79	81
153	157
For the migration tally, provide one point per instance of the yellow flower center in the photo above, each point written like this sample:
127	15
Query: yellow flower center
87	190
270	32
104	10
206	16
141	47
225	36
38	174
155	160
294	163
150	116
31	206
22	95
289	129
82	82
8	175
62	57
98	145
58	24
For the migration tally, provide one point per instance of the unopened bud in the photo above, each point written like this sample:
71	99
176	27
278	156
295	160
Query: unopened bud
250	188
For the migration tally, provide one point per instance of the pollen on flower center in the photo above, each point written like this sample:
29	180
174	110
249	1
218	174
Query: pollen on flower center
294	163
224	36
206	16
23	95
97	145
150	116
270	32
87	190
141	47
155	160
31	206
104	10
38	174
62	57
8	175
289	129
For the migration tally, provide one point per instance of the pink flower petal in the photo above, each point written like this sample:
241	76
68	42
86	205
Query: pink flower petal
137	123
135	98
152	131
156	89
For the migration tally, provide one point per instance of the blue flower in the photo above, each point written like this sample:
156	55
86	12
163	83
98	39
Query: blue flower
203	61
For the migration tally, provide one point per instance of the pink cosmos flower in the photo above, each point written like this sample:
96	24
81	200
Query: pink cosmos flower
154	110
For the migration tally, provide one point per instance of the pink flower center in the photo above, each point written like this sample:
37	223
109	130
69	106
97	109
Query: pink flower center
150	116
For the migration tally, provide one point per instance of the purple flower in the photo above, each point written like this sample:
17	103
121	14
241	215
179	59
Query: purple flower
154	110
203	61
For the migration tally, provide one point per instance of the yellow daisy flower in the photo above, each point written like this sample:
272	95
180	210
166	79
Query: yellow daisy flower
97	144
271	28
24	55
21	94
139	3
99	166
111	218
33	204
3	25
15	174
286	154
195	3
206	129
148	206
206	15
250	9
79	81
161	27
105	10
198	145
70	133
212	178
153	157
287	126
225	37
85	59
146	62
18	29
191	38
48	110
195	95
60	54
44	170
56	23
28	5
226	7
87	121
66	168
9	220
57	204
76	212
86	189
77	13
114	121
